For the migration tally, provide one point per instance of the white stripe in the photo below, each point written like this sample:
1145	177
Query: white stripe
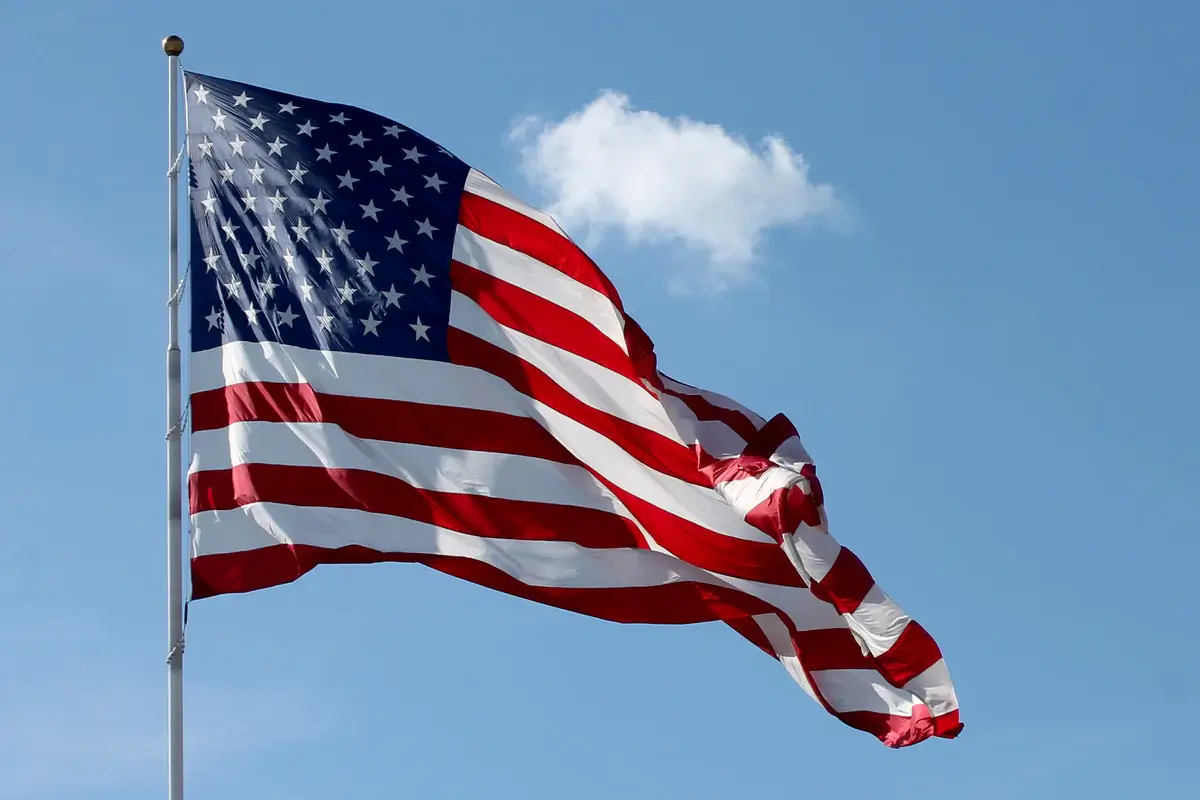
844	689
536	563
526	272
437	383
780	639
792	453
438	469
258	525
587	381
745	494
715	437
483	186
719	400
862	690
817	550
935	688
878	621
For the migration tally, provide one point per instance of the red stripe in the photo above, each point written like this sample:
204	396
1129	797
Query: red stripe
674	603
468	429
912	653
897	731
764	562
783	511
495	517
948	725
706	411
750	630
540	318
830	648
846	583
651	448
770	436
374	418
523	234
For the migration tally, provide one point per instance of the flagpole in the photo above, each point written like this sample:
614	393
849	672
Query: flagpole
173	46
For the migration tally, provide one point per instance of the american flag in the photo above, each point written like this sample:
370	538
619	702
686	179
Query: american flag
395	359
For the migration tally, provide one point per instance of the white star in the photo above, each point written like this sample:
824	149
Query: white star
347	181
287	108
307	128
226	173
289	258
393	297
268	287
342	233
276	147
242	100
249	259
434	182
369	210
209	203
201	94
359	140
366	266
258	123
212	259
371	324
271	231
234	287
326	154
205	147
249	201
285	317
238	144
319	202
326	262
277	200
395	242
413	155
393	130
256	172
401	196
340	119
378	165
421	276
426	228
306	289
326	320
219	119
229	228
346	292
301	231
420	330
298	173
215	318
445	152
251	314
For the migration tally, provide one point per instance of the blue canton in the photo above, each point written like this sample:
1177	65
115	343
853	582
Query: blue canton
316	225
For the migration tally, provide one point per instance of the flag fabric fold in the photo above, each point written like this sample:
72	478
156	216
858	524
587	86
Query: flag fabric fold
395	359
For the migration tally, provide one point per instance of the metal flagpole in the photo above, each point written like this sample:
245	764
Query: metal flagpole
173	46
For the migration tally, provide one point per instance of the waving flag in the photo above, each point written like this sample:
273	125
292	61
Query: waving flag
394	359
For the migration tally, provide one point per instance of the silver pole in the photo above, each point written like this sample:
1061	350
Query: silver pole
173	46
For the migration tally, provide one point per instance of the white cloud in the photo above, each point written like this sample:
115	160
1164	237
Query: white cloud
609	166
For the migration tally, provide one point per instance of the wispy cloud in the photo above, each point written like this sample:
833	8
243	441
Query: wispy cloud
610	166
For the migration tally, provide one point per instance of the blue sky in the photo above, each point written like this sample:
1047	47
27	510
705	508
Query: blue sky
988	343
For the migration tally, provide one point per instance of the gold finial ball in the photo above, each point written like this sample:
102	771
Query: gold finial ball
172	45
